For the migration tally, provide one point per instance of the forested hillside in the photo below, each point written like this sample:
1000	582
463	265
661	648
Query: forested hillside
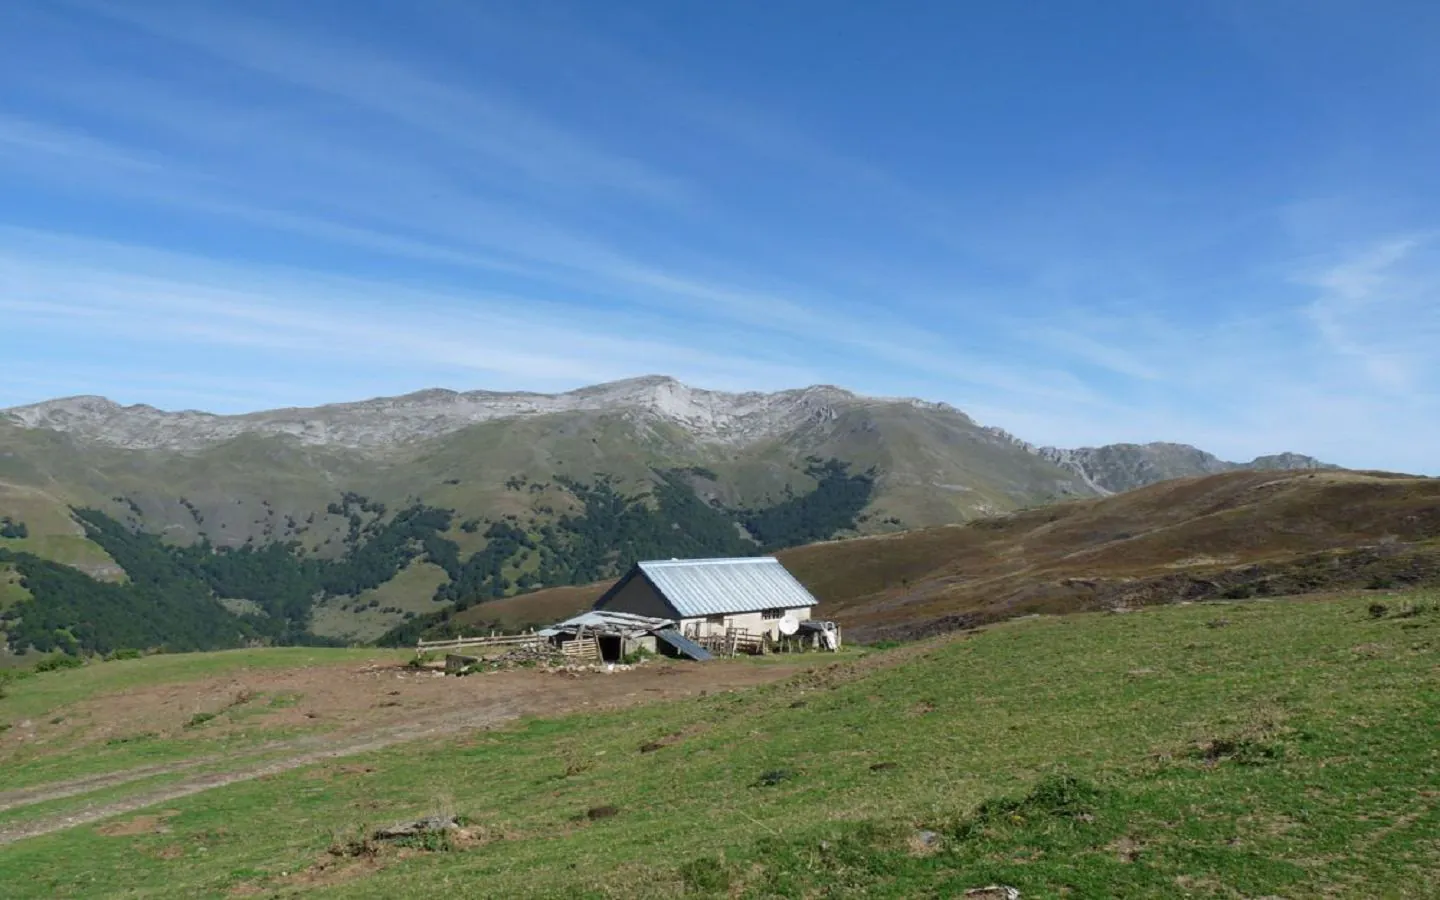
175	595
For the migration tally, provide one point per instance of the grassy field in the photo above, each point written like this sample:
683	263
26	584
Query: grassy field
1258	748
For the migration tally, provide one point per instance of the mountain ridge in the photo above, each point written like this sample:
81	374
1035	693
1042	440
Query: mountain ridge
382	424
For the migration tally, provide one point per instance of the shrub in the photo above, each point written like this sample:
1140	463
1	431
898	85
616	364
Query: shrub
55	663
1243	751
124	653
638	656
1054	796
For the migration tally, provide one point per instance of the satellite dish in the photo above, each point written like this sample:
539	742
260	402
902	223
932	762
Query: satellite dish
789	624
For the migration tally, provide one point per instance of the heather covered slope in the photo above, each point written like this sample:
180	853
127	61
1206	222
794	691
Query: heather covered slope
1237	534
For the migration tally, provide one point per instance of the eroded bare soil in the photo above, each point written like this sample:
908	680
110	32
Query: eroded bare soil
351	709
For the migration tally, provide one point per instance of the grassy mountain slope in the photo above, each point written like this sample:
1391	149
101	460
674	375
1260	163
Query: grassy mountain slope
253	490
375	611
934	466
1238	533
1249	749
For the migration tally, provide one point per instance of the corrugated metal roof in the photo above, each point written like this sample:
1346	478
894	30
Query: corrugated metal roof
712	587
607	620
683	644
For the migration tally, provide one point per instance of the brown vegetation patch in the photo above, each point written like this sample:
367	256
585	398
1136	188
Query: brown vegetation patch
330	870
1126	849
673	738
150	824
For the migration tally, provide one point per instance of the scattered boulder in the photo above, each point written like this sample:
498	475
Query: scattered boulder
924	842
427	825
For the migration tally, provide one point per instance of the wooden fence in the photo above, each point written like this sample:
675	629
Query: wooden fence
730	642
450	645
583	647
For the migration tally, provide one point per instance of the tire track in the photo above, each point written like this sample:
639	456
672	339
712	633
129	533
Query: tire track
378	740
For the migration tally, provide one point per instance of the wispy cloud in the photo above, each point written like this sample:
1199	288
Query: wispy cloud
288	316
27	139
481	122
1380	310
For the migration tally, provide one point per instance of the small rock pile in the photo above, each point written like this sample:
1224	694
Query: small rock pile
538	656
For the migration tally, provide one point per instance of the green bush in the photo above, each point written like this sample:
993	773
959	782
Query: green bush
55	663
639	655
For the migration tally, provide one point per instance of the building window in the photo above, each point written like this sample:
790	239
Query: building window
715	620
772	613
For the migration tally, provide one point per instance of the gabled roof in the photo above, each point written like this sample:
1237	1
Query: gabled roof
712	587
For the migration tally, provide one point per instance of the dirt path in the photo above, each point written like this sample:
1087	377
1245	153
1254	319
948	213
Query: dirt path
59	790
477	702
210	781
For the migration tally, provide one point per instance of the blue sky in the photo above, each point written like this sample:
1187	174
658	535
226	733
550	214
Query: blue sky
1210	222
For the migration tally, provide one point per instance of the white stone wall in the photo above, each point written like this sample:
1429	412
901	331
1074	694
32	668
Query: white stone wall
753	622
